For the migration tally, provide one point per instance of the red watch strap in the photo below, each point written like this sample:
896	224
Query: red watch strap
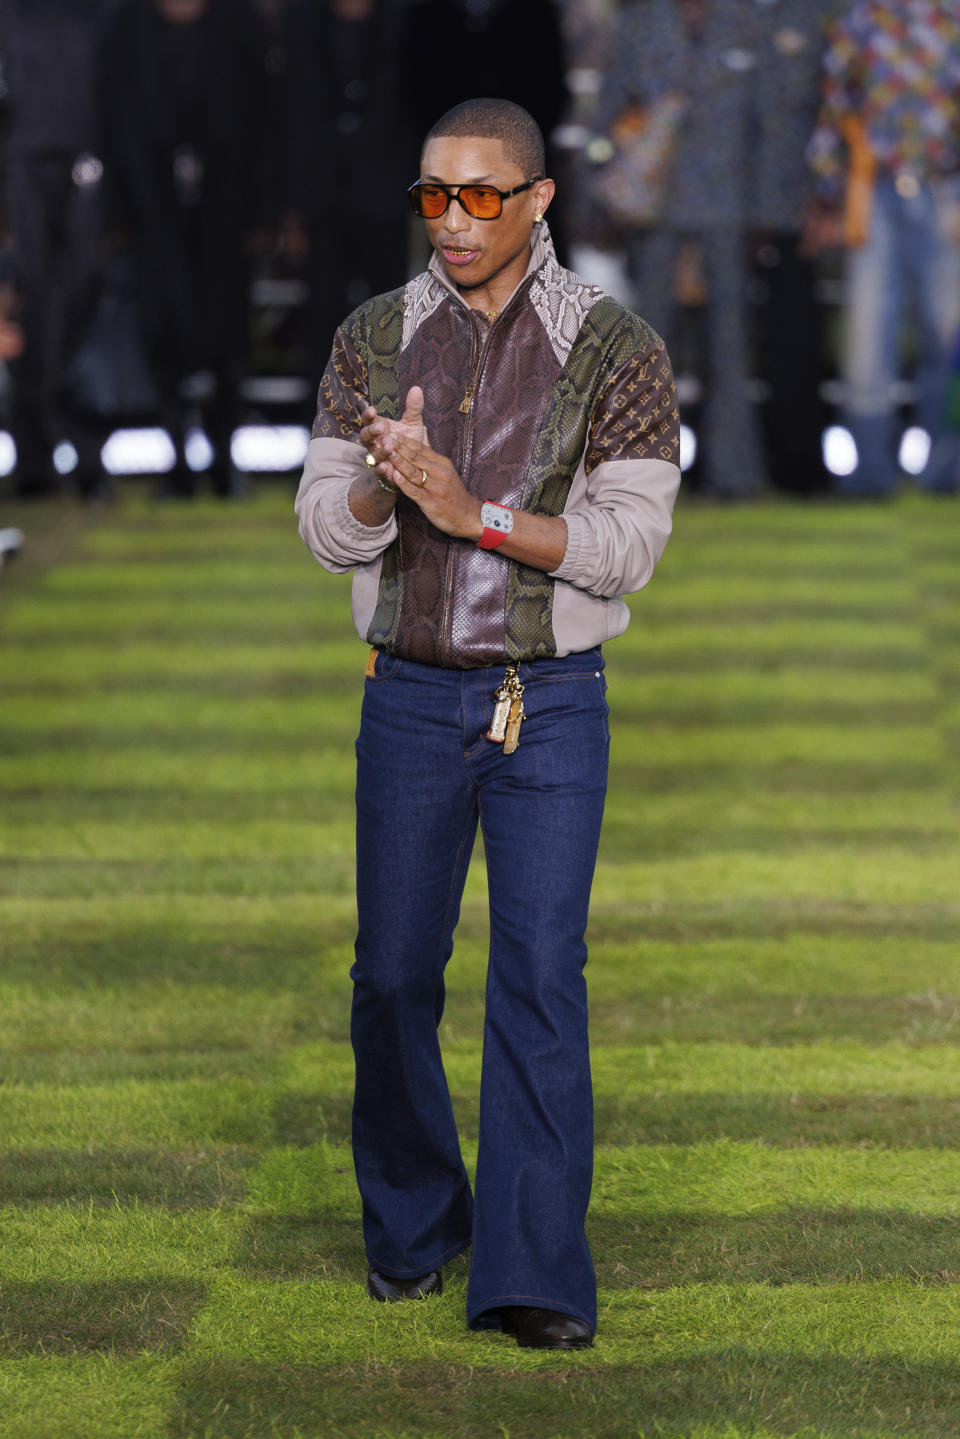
492	537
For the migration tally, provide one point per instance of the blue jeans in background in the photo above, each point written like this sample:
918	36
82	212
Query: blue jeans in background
426	774
901	272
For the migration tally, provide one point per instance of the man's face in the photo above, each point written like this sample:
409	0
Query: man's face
474	252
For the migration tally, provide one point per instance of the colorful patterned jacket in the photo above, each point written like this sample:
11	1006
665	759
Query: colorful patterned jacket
564	405
895	65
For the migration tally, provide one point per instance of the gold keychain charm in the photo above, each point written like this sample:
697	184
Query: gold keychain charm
501	713
507	711
512	738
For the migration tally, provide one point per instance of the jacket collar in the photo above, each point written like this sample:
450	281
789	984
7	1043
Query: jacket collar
542	256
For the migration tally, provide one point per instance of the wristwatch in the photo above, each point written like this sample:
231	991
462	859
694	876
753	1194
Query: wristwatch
497	523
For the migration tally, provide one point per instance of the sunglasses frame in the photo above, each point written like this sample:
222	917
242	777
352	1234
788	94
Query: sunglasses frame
453	192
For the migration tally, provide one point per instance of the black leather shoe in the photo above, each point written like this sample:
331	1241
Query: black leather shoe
390	1290
545	1328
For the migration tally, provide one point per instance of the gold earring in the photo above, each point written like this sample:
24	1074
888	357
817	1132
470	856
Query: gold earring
538	217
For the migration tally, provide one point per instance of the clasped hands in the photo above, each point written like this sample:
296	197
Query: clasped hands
403	457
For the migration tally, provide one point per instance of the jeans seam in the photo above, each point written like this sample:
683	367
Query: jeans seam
455	871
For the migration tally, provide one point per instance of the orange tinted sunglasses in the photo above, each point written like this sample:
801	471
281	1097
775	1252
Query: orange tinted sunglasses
482	202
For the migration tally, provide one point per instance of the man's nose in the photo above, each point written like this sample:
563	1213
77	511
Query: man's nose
457	217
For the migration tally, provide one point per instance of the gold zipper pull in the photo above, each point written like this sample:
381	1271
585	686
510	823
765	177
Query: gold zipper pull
466	402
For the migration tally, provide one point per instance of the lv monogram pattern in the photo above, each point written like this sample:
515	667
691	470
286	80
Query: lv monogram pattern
637	416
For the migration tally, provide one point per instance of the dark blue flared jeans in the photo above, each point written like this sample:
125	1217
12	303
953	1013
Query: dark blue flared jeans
426	774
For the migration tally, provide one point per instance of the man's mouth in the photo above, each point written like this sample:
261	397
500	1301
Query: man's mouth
457	254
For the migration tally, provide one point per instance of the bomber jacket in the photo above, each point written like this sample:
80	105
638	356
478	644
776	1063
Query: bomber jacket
564	404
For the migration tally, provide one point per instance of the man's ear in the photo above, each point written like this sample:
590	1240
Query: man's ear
544	191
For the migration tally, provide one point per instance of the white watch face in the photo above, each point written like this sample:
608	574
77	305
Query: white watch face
496	517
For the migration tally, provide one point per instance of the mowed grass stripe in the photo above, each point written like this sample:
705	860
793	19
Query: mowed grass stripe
301	1323
830	1066
306	1095
159	1397
148	621
640	1251
72	1232
70	1039
200	839
835	1398
95	1397
721	1177
888	876
139	965
148	1000
646	1247
59	668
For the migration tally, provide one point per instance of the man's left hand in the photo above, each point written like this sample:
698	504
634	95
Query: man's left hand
432	482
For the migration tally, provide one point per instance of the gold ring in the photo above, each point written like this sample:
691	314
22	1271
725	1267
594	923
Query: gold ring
368	459
423	479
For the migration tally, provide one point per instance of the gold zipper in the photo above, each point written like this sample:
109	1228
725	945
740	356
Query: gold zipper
466	403
477	354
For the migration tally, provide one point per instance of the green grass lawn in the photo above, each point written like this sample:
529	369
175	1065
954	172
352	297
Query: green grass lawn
775	997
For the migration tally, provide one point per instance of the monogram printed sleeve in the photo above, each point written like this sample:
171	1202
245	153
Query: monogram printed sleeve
619	513
335	458
636	415
344	393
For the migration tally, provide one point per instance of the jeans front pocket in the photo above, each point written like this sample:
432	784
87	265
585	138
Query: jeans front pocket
384	666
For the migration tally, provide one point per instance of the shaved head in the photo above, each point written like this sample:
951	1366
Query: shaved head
502	120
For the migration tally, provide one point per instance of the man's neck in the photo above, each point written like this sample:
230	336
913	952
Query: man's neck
491	298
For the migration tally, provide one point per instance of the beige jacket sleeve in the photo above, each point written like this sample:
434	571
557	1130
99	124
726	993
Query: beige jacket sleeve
619	519
328	528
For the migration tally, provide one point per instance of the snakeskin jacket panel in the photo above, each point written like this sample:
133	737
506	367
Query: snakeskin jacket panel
564	405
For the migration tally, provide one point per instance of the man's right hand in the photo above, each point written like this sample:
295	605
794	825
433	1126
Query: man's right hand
375	427
371	500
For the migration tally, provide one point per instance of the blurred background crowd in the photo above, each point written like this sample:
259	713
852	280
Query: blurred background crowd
195	192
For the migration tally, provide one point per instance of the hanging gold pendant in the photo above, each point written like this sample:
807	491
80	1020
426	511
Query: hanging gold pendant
512	738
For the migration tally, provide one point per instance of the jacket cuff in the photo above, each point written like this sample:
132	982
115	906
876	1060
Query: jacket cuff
582	555
353	531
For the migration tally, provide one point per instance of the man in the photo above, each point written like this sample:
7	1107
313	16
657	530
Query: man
189	134
344	98
495	455
790	322
887	145
52	209
700	54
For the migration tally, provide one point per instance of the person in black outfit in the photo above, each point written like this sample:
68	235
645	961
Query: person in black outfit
189	122
51	202
349	149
